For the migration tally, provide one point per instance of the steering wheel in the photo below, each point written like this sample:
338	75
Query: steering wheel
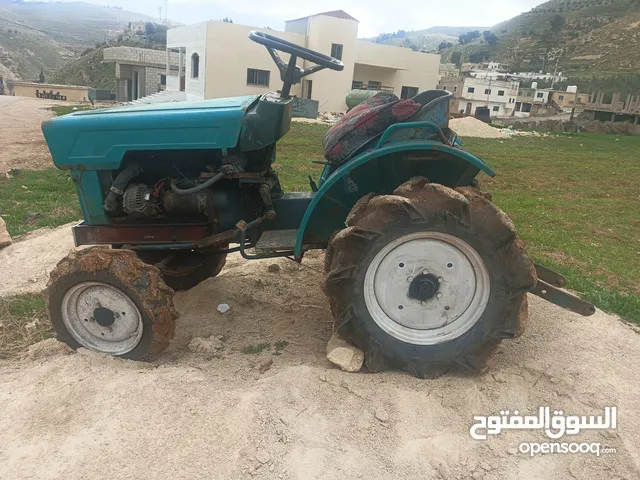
290	73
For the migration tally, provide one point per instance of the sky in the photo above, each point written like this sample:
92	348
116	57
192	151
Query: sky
375	16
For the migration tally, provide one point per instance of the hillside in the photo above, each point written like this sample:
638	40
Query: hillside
426	40
39	35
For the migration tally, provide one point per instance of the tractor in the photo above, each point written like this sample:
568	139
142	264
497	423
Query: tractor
423	271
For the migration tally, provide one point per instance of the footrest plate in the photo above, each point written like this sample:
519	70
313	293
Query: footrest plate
277	240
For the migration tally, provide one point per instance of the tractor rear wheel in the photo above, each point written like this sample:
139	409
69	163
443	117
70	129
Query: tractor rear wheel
187	268
428	279
111	302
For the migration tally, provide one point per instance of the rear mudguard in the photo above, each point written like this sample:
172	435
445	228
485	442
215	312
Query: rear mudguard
381	170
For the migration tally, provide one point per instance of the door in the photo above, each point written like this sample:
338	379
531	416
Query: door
308	88
468	109
136	84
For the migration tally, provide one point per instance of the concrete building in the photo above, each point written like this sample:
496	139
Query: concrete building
455	85
570	99
140	71
70	93
616	110
221	61
498	96
449	70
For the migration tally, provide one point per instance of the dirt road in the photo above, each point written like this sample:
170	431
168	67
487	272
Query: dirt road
21	142
186	416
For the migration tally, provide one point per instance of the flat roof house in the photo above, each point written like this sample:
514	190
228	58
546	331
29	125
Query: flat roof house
221	61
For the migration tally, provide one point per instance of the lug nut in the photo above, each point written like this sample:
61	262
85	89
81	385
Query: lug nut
409	279
425	272
423	302
439	295
440	279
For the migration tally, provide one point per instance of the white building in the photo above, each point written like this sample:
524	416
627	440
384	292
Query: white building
221	61
498	96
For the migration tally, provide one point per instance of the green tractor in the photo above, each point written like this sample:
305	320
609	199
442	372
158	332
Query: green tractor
423	272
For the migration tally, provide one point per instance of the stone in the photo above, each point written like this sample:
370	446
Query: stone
343	355
223	308
382	415
48	348
512	451
263	456
5	238
205	346
274	268
264	368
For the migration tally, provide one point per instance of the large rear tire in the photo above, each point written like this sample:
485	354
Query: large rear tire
111	302
428	279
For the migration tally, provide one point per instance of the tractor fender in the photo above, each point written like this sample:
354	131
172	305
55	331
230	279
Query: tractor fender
381	170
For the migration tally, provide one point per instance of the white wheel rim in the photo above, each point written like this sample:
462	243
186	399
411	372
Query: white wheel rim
460	277
102	317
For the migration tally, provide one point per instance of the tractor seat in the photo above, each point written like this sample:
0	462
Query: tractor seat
368	120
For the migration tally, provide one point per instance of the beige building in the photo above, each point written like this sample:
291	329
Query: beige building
140	71
569	100
497	96
221	61
50	91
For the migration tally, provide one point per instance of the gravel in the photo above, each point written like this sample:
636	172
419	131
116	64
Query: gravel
472	127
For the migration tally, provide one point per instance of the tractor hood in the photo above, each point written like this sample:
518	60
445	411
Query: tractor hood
98	139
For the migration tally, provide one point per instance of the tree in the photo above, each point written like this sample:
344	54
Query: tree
456	57
227	20
557	23
149	28
444	45
490	38
401	34
41	78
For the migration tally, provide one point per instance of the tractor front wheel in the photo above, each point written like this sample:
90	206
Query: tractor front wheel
111	302
428	279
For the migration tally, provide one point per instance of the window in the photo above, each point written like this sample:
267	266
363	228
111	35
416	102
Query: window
408	92
501	93
336	51
195	65
258	77
540	95
496	109
374	85
560	97
163	79
455	89
444	87
471	89
356	84
487	91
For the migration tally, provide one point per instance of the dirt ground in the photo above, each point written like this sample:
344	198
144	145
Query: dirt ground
21	142
235	416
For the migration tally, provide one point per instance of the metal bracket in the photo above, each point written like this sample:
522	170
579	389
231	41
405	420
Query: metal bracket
563	299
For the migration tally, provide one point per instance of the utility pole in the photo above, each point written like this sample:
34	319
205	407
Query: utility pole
555	72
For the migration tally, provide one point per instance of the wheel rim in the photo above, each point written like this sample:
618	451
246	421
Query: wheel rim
426	288
102	317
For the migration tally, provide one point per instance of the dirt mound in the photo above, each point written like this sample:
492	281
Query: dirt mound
472	127
268	404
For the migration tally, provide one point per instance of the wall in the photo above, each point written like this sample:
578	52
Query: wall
506	103
503	109
73	94
142	56
193	38
413	69
230	53
364	73
331	87
153	79
297	26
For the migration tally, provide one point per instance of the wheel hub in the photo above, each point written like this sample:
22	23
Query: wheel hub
102	317
426	288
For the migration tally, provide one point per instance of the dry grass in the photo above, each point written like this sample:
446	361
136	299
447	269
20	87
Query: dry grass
23	322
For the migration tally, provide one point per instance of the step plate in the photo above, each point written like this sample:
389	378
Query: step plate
277	240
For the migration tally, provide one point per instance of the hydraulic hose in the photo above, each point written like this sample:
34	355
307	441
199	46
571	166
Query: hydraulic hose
197	188
111	203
